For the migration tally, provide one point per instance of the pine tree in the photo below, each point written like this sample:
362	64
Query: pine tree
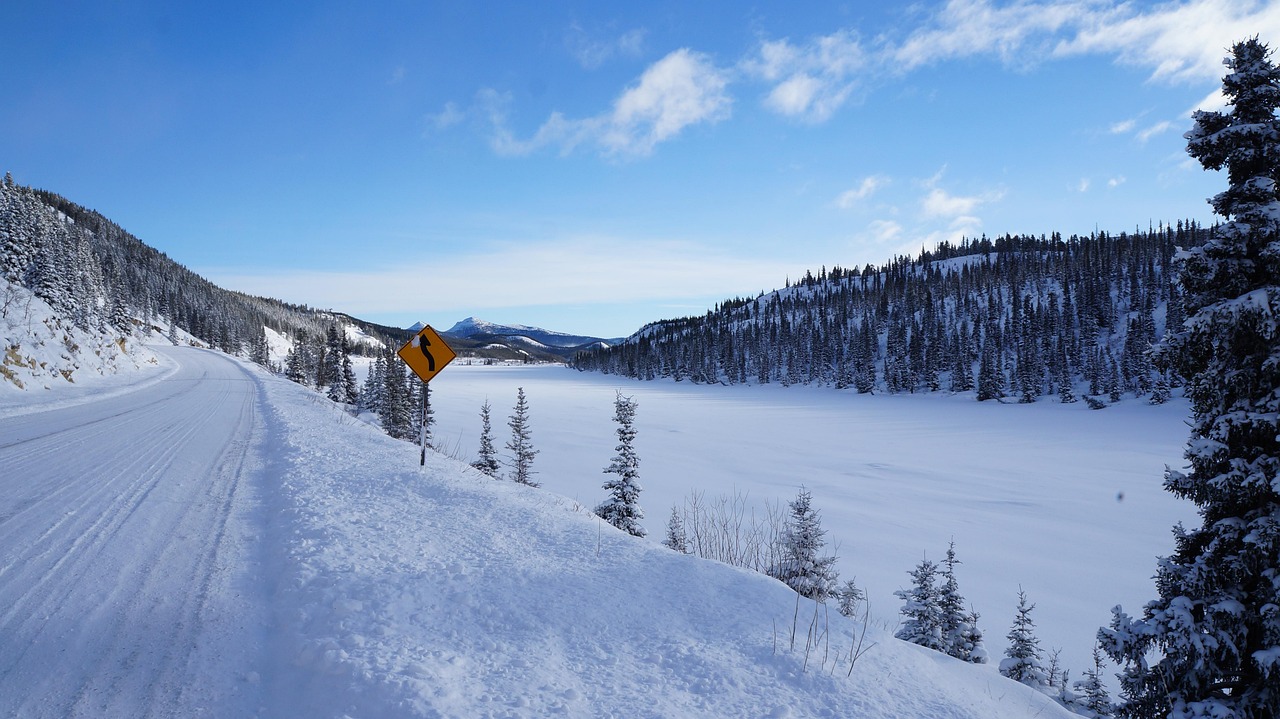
1216	623
677	539
293	367
1022	662
961	636
848	597
520	445
1092	699
923	623
487	461
622	508
802	565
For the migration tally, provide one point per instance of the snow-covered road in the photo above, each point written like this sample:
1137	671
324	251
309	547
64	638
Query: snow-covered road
128	566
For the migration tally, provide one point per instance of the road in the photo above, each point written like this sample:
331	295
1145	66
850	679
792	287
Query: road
131	553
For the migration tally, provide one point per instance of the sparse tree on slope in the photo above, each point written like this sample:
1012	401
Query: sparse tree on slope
849	596
622	508
802	566
520	445
923	623
1022	662
1216	623
677	539
487	462
960	633
1092	699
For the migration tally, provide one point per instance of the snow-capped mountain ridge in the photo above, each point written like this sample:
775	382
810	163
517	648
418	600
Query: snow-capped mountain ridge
472	326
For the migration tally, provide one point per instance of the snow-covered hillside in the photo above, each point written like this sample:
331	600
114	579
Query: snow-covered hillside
345	580
43	351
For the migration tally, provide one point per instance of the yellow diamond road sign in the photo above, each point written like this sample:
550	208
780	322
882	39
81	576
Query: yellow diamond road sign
426	354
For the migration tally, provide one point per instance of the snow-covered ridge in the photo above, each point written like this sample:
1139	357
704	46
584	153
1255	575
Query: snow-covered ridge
39	350
437	591
537	336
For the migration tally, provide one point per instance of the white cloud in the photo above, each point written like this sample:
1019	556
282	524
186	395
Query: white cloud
1179	42
1084	185
1116	181
966	28
592	51
1175	41
939	203
865	189
582	270
449	116
883	231
1154	130
810	81
682	89
679	90
1123	127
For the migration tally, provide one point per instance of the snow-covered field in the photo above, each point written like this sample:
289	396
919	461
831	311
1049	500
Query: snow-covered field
1060	500
224	543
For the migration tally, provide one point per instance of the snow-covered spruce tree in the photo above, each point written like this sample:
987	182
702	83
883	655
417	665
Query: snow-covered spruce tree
1216	622
487	461
848	597
1022	662
622	507
923	623
1092	699
961	636
520	445
677	538
801	565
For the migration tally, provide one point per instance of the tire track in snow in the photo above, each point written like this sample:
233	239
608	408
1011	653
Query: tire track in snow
123	533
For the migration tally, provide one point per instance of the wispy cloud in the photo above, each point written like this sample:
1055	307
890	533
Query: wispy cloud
511	274
448	116
1178	42
809	81
1154	130
1116	181
939	203
851	197
813	78
1175	41
593	50
1017	33
1123	127
682	89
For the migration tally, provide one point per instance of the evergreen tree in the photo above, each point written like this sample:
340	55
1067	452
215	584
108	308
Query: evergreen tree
520	445
1092	699
1022	662
622	508
1216	623
487	461
802	565
677	539
293	366
848	597
923	623
961	636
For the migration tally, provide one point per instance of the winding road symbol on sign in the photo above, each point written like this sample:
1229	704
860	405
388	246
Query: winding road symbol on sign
426	354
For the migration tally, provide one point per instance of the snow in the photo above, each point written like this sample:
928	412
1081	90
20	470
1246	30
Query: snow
39	351
1065	502
221	542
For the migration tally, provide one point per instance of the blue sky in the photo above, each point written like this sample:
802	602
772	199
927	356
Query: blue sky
588	167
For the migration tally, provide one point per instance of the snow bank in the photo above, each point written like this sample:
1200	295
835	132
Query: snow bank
42	352
436	591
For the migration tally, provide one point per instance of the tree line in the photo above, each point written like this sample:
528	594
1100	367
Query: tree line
1018	316
98	276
